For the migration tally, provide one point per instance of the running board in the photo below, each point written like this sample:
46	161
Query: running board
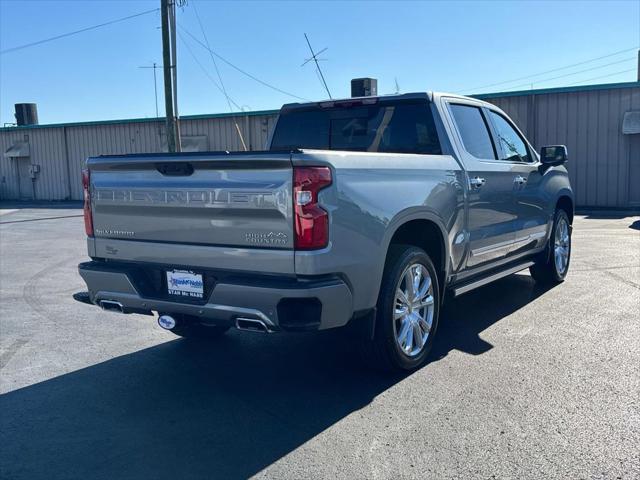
456	291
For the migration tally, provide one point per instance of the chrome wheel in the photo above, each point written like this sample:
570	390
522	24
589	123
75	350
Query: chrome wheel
413	309
562	246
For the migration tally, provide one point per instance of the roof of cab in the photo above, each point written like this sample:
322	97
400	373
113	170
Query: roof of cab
428	95
474	99
378	98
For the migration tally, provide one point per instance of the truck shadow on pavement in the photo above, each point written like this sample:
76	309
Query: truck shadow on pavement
228	410
464	318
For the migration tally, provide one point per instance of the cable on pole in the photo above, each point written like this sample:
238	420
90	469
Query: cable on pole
550	71
75	32
253	77
204	70
574	73
604	76
215	64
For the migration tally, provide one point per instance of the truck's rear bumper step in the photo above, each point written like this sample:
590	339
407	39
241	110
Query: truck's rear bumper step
296	305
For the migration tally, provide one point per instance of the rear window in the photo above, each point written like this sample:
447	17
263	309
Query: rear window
396	128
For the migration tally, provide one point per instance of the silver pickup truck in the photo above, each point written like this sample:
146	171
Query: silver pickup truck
364	212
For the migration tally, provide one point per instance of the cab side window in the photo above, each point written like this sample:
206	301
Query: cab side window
513	147
473	131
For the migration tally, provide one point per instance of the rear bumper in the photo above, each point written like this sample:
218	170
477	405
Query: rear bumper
282	303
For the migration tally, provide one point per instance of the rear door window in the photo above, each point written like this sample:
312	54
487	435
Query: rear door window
401	127
473	131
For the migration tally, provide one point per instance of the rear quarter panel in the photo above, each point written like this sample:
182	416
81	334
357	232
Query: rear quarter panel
371	196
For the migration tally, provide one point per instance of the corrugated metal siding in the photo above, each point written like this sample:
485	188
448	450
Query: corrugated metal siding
60	159
46	150
8	167
589	123
631	101
87	141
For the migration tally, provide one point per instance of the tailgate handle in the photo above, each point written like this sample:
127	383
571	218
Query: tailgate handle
175	169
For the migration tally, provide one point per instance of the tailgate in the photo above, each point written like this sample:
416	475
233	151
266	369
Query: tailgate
214	199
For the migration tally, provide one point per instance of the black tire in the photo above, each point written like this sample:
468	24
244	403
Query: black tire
546	270
384	350
190	327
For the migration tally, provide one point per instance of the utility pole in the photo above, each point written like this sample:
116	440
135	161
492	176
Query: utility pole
167	10
174	51
639	65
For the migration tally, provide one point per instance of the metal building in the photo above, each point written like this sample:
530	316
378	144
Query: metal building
600	124
604	161
44	162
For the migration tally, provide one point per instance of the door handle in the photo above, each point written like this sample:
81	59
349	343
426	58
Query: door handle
477	182
520	180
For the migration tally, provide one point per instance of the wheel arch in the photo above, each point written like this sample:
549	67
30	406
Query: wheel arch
423	229
565	202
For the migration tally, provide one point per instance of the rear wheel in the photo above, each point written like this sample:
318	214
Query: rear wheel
188	326
553	267
407	312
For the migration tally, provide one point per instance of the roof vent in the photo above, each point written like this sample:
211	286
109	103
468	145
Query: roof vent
26	114
364	87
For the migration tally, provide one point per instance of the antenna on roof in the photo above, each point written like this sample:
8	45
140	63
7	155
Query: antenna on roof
395	79
314	57
155	82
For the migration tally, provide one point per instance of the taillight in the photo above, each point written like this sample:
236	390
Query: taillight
88	218
311	221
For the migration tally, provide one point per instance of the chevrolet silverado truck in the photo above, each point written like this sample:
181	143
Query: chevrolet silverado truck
366	211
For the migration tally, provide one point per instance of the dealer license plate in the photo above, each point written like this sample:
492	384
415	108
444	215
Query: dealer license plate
185	284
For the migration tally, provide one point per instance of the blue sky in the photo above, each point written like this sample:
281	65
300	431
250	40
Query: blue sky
450	46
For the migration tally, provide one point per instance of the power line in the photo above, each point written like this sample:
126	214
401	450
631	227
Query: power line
253	77
213	59
204	70
575	73
552	70
215	64
57	37
604	76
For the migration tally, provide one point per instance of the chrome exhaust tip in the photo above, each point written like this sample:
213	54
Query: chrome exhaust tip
111	306
252	325
167	322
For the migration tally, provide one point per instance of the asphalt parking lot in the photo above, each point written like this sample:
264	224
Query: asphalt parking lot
523	382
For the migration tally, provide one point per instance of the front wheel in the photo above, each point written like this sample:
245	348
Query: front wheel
407	313
553	267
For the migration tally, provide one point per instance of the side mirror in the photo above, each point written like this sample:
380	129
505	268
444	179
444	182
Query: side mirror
553	155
